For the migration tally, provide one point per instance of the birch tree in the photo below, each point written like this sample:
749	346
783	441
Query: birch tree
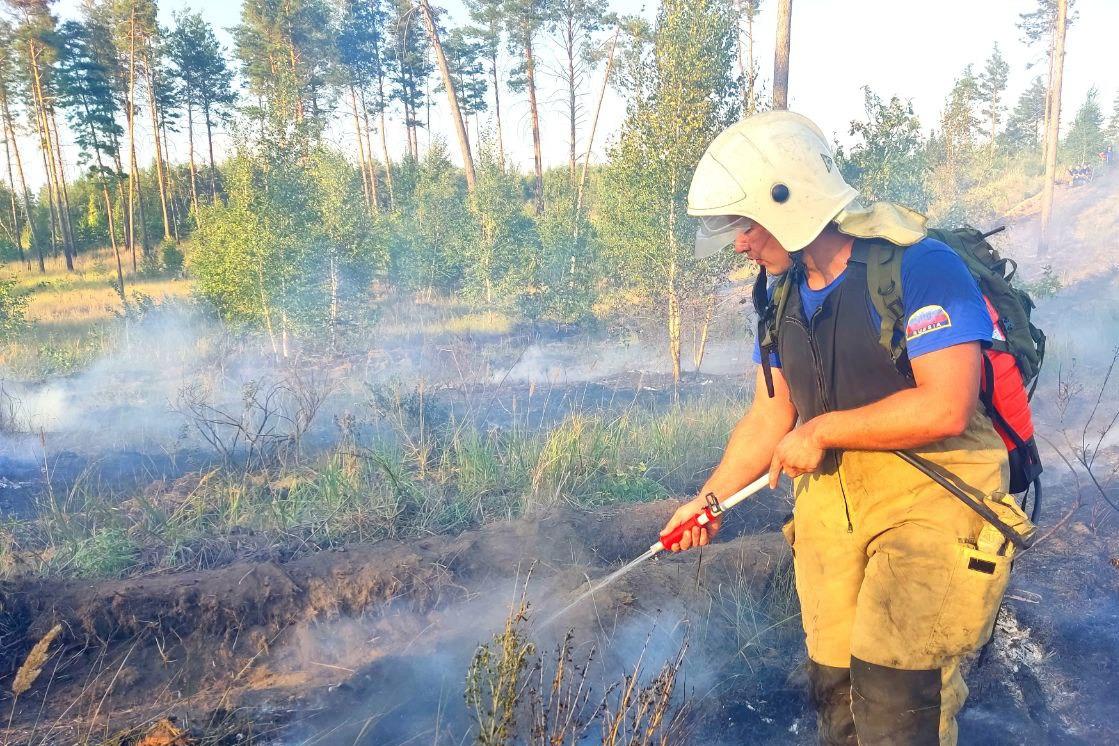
684	94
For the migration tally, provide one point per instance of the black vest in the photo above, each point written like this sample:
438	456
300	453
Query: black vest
834	361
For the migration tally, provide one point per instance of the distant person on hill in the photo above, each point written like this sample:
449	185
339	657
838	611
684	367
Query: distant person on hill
898	580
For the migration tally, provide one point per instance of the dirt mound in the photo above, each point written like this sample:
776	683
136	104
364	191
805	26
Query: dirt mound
279	634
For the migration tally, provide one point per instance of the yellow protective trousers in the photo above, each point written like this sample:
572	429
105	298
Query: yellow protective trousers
898	581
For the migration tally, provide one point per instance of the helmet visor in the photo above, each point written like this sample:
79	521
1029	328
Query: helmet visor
716	232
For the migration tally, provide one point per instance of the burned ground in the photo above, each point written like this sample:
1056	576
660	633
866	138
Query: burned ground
369	644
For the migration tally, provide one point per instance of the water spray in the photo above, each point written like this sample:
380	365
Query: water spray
713	509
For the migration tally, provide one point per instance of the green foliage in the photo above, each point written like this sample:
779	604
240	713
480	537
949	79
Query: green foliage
465	59
107	552
88	95
991	89
503	262
287	249
569	271
888	162
1023	128
171	257
1046	285
286	53
437	231
198	65
13	306
684	94
1085	136
408	60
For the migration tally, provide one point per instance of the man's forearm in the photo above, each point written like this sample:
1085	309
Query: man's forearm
907	419
747	456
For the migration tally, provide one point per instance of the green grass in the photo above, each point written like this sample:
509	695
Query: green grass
418	473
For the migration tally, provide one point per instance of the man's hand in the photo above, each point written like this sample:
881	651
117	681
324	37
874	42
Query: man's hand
799	452
699	535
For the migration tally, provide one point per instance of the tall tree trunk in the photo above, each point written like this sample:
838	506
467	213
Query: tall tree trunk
210	148
190	156
173	200
752	73
673	322
10	135
53	199
590	138
130	117
781	54
153	107
67	225
384	141
452	96
1052	130
704	332
538	159
54	173
17	229
497	111
108	206
569	50
360	151
1048	100
675	314
369	152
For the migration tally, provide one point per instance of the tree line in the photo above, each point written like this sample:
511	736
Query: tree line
292	234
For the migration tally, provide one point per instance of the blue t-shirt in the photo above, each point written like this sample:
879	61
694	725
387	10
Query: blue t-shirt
943	305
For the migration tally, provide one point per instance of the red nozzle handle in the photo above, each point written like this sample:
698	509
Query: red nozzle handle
702	518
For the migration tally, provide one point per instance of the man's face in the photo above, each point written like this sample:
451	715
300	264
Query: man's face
759	245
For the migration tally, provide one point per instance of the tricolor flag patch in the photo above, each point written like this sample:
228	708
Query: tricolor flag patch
925	320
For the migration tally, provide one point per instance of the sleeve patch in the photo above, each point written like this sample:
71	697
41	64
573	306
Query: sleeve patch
926	319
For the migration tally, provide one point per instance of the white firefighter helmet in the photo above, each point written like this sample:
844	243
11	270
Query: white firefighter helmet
775	169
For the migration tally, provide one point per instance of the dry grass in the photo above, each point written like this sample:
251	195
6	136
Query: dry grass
72	315
518	695
60	300
33	665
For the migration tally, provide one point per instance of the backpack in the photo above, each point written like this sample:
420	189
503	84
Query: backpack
1010	364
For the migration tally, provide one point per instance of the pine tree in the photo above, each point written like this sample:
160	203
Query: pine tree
1039	27
487	17
434	33
1024	125
991	89
574	22
466	59
285	51
360	38
8	81
525	19
409	58
1086	138
36	38
198	63
89	98
1053	117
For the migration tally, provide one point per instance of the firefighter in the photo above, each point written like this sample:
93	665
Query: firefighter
896	578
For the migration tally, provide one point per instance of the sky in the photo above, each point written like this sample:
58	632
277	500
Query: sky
909	48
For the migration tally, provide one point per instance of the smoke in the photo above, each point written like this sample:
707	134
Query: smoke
399	673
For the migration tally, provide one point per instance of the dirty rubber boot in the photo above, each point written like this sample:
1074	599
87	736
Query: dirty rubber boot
830	691
894	707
